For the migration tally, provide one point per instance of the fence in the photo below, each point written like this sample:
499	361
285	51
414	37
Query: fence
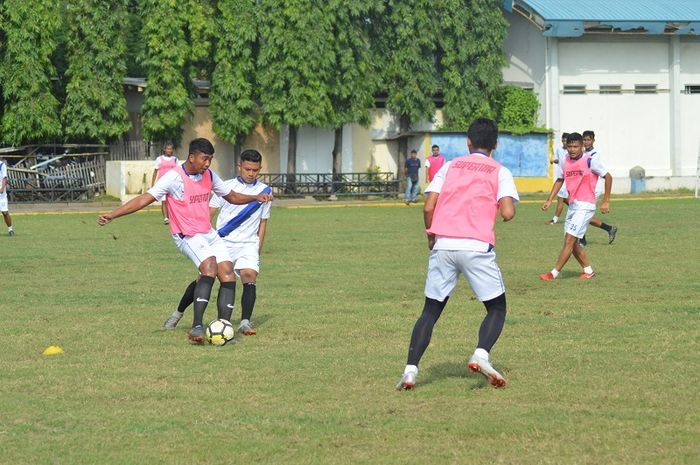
134	150
326	184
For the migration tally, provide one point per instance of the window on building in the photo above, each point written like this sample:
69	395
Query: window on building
575	89
692	89
610	89
645	89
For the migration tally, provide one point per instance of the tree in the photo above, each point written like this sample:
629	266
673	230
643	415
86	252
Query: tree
232	99
354	79
95	107
407	46
294	65
471	59
30	107
176	35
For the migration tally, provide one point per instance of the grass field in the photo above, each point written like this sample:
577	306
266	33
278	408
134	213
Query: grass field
604	371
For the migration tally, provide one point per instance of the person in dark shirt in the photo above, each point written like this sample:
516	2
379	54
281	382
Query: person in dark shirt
410	169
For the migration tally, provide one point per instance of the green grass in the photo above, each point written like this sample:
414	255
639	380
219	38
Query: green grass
600	372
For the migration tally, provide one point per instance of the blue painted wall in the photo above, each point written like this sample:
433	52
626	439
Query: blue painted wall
524	155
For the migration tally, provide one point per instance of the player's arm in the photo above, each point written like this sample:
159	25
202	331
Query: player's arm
555	188
428	211
3	185
507	208
605	204
261	234
241	199
154	177
133	205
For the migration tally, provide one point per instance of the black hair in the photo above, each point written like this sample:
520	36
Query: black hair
483	133
414	151
589	133
251	155
574	137
201	145
564	135
435	147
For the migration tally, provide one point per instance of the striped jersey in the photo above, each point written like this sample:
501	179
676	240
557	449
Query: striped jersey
240	223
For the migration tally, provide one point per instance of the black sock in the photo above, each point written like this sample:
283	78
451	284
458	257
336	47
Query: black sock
423	329
247	301
493	322
607	227
202	292
225	300
187	298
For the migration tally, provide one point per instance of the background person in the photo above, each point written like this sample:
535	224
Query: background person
164	163
411	169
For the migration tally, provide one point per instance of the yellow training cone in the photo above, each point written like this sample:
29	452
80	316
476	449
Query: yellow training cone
52	350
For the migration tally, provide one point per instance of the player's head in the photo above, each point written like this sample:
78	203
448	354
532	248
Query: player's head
588	139
436	150
574	144
200	154
168	149
250	165
482	134
414	154
564	135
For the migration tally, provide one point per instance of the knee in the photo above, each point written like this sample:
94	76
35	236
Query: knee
225	272
248	275
208	267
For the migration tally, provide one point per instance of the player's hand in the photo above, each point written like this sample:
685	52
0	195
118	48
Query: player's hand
605	207
104	219
265	198
431	242
546	204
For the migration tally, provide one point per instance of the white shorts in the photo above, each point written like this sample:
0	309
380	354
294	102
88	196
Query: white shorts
577	221
245	256
3	202
480	269
202	246
563	193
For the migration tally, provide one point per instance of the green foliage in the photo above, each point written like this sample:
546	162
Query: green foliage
471	49
95	107
31	110
168	95
232	98
295	62
518	110
406	36
354	79
135	46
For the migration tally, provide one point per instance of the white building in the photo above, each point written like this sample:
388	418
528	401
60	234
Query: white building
627	69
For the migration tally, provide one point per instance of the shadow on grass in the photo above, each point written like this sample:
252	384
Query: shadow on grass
457	370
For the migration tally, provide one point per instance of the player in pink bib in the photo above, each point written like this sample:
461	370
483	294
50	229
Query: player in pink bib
580	171
164	163
461	209
188	188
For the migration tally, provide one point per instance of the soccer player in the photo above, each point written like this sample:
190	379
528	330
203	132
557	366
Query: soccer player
242	228
460	213
165	163
559	154
433	163
588	141
580	171
188	188
3	199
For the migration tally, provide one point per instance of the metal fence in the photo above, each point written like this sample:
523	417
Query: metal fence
326	184
134	150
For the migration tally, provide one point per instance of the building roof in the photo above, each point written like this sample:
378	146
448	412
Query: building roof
573	18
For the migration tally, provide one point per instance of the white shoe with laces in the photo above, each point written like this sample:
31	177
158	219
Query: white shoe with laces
482	365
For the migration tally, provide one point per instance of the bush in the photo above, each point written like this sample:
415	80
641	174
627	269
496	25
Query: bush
518	110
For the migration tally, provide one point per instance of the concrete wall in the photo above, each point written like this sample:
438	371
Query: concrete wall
127	179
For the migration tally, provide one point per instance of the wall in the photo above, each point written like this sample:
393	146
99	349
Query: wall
127	179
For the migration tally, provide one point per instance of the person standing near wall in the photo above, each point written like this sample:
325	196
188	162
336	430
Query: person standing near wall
411	169
433	163
164	163
3	198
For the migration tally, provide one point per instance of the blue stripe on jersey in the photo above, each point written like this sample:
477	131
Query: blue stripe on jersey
243	215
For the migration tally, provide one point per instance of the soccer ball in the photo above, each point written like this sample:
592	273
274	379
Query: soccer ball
220	332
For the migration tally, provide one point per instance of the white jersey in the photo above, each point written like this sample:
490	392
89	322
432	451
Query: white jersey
506	188
3	194
560	153
171	184
600	185
239	224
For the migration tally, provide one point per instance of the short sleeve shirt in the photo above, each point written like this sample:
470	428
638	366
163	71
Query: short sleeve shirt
506	188
171	184
596	166
247	231
412	166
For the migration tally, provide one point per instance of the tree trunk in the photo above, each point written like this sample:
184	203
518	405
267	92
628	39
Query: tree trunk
404	125
337	159
292	160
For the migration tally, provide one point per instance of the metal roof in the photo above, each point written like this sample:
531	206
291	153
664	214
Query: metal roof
572	18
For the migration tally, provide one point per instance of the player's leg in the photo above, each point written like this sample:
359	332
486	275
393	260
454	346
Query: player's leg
8	222
414	191
574	228
249	278
610	229
485	279
439	284
580	255
185	301
407	193
227	291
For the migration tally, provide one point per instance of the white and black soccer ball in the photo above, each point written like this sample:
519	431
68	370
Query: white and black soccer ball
220	332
